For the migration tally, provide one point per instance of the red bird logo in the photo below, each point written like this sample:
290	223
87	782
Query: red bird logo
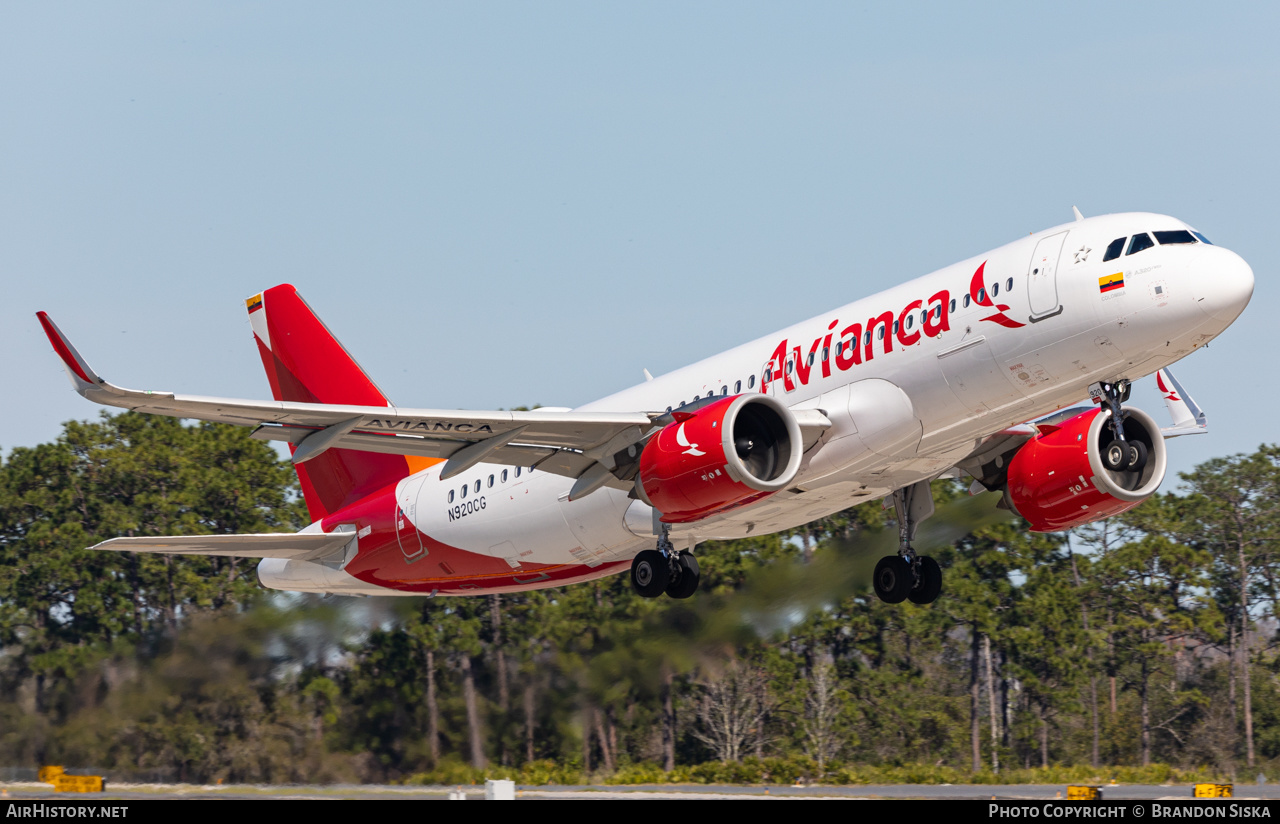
978	291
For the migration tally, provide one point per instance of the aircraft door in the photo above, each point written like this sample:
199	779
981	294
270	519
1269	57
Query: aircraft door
1042	277
407	533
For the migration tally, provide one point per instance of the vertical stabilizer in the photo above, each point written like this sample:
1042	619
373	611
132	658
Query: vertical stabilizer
306	363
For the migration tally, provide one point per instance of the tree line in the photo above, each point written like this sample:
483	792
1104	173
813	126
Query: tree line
1145	640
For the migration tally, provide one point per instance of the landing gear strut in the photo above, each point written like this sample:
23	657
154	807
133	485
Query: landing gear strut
665	569
908	576
1119	455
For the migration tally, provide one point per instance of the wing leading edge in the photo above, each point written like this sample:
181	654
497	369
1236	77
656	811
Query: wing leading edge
564	443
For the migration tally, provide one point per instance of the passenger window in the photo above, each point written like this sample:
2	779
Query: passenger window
953	306
737	388
811	359
1176	236
982	295
1008	285
924	316
477	486
880	333
1114	248
450	496
724	390
491	482
826	354
504	476
966	301
751	381
895	327
868	336
518	468
1140	243
464	491
995	289
789	365
668	409
911	319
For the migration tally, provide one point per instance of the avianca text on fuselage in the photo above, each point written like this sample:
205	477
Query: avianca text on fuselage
855	343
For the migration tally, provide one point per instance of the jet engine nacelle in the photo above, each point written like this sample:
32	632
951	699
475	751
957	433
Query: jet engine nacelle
1057	480
722	455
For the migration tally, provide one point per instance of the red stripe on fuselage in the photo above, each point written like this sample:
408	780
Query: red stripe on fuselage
443	568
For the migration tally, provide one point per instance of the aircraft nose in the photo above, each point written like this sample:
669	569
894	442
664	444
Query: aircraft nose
1225	284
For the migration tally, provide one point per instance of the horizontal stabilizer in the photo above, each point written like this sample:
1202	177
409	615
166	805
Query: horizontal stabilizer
304	546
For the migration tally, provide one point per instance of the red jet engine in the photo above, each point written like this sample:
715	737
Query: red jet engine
720	456
1058	480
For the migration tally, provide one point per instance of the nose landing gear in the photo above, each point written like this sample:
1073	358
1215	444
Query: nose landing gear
908	576
665	569
1119	455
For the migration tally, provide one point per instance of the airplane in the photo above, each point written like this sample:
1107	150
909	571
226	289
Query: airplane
973	370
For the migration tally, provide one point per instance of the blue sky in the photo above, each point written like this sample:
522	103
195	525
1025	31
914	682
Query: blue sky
495	204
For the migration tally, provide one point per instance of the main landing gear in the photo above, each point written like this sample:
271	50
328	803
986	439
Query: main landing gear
664	569
908	576
1119	455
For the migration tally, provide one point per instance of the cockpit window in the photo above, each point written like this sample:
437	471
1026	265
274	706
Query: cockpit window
1114	249
1203	239
1174	236
1140	243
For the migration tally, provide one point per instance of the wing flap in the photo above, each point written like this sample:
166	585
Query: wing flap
308	546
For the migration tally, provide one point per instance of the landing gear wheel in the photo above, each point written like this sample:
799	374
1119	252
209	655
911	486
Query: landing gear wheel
687	582
1115	455
650	573
892	579
1137	456
929	584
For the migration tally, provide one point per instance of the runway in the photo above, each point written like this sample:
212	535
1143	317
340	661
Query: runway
31	791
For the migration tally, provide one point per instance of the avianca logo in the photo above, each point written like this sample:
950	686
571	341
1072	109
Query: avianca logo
855	343
1169	394
978	292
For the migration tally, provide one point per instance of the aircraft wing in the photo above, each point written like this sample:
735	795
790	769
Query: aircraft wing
1188	418
988	462
565	443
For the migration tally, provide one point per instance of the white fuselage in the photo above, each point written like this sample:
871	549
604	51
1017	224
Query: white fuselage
904	414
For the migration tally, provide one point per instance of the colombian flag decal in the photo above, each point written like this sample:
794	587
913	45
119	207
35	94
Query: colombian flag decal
1111	283
254	303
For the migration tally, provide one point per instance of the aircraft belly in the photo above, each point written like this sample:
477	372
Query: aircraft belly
598	522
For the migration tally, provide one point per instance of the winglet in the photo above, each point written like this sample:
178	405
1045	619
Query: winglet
1188	418
82	375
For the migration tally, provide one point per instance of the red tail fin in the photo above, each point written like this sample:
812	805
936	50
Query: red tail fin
305	363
